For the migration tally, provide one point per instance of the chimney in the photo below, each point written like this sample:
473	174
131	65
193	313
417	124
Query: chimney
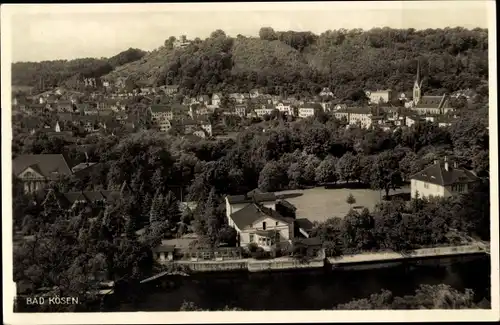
446	167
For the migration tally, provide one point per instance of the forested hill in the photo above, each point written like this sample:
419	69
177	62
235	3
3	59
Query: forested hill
61	72
302	62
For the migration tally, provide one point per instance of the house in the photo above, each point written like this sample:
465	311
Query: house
254	93
171	248
428	104
198	126
380	96
412	119
358	116
310	110
65	106
87	109
286	107
264	219
203	99
239	98
197	110
240	110
36	171
161	112
326	92
69	200
171	89
261	225
181	42
264	110
216	99
442	180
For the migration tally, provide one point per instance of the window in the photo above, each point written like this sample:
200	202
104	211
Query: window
426	185
277	223
251	238
264	225
458	188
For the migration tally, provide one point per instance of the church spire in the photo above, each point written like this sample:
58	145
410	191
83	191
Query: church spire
417	91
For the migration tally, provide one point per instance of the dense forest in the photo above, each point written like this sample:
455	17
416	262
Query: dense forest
301	62
48	74
345	60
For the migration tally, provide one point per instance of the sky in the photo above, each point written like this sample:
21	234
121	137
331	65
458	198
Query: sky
50	32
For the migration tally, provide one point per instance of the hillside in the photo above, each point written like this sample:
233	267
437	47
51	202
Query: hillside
347	61
302	63
58	72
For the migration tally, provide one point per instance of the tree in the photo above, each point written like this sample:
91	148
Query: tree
268	34
385	172
326	171
218	33
272	177
157	209
350	199
348	167
172	209
426	297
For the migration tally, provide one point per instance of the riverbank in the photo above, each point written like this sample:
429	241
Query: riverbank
366	259
313	289
378	257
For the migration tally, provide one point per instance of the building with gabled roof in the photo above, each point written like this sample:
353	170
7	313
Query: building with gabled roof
262	226
264	219
36	171
442	180
428	104
310	110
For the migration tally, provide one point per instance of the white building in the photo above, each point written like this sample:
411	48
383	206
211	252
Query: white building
380	96
441	180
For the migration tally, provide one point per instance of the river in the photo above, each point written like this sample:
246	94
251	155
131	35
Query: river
314	290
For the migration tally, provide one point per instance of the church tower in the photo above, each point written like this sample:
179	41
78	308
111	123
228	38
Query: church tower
417	86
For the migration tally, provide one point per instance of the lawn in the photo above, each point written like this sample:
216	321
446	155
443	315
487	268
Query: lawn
318	204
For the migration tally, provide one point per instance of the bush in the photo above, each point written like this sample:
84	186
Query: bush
261	254
252	247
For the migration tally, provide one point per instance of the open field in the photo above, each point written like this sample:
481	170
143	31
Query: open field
318	204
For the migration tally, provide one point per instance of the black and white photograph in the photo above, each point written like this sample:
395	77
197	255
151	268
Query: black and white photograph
286	161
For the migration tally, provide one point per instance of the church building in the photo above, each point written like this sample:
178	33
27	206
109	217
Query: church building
428	104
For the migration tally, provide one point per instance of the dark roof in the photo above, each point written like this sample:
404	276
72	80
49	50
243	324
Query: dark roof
49	165
253	212
437	174
287	204
72	197
164	248
311	105
432	102
67	199
304	223
66	116
111	195
311	241
160	108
